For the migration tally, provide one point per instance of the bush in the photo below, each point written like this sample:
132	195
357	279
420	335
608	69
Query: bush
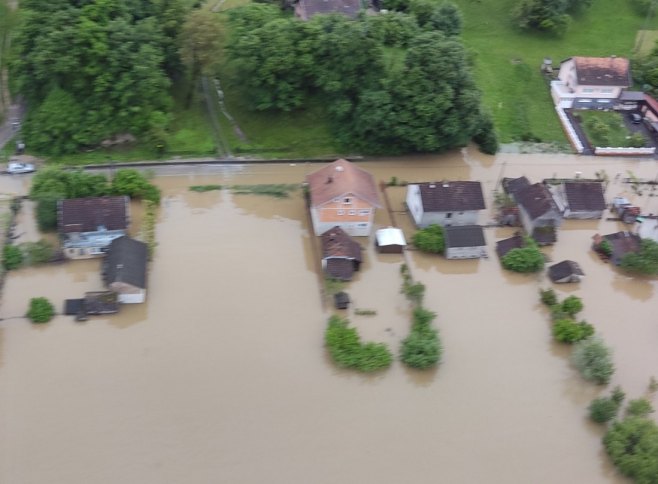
12	257
422	348
605	248
594	360
38	252
41	310
572	305
557	312
430	239
603	409
640	407
645	261
524	260
548	297
632	444
569	331
134	184
347	351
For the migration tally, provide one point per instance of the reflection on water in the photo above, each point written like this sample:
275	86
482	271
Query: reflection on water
222	377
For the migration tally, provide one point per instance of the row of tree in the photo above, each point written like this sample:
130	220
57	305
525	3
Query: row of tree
395	82
90	70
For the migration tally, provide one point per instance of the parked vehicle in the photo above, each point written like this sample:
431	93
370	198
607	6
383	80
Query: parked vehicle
636	118
16	168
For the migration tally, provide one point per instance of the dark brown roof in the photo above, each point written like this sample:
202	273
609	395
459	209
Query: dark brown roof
603	71
88	214
464	236
564	269
126	261
309	8
339	178
584	196
514	185
342	269
623	243
536	200
545	235
454	196
336	243
505	245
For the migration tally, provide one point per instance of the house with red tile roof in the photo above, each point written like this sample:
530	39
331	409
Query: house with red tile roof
344	195
597	79
341	255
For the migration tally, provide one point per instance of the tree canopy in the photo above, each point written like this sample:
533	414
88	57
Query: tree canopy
90	70
645	261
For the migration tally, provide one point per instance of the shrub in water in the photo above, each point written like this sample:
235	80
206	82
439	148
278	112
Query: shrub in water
41	310
594	360
12	257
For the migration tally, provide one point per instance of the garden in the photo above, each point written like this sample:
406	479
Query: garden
607	129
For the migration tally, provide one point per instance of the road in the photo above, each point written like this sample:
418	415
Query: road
8	130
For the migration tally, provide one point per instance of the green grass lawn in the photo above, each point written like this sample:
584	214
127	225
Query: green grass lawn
507	60
605	128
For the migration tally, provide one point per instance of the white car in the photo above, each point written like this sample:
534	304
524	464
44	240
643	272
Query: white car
16	168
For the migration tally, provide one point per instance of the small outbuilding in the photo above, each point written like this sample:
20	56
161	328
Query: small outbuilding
94	303
341	300
341	255
505	245
390	240
464	242
565	271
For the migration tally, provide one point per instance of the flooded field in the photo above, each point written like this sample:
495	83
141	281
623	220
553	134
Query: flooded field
221	377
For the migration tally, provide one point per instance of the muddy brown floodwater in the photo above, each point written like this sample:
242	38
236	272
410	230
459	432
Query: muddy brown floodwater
221	377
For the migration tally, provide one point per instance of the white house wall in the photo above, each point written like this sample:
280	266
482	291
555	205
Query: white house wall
465	252
132	298
425	219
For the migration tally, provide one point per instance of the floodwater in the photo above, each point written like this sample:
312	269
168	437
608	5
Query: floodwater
221	377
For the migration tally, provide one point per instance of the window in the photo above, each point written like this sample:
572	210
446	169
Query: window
362	225
607	91
449	215
352	212
364	212
347	200
341	212
336	200
588	89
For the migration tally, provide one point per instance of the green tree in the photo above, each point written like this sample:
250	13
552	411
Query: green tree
548	297
430	239
41	310
12	257
645	261
572	305
200	39
421	348
640	407
347	351
603	409
134	184
594	360
569	331
447	18
526	259
632	444
543	15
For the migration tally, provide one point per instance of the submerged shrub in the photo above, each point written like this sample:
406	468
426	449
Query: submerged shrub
603	409
524	260
41	310
640	407
12	257
422	348
548	297
594	360
632	445
569	331
346	349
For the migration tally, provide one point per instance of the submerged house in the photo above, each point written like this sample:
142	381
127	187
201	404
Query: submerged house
341	256
87	226
445	203
565	271
539	214
124	269
582	199
464	242
342	194
620	244
505	245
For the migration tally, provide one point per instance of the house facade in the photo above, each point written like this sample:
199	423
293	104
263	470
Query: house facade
593	78
464	242
87	226
125	269
445	203
342	194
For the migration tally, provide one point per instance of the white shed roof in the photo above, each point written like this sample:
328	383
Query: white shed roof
390	236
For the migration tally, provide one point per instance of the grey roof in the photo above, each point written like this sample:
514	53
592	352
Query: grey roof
126	262
564	269
505	245
536	200
584	196
514	185
545	234
464	236
454	196
631	96
623	243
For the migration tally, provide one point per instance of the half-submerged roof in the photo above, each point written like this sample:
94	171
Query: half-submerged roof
464	236
514	185
93	213
337	244
340	178
563	269
505	245
622	243
390	236
603	71
126	262
584	196
452	196
309	8
536	199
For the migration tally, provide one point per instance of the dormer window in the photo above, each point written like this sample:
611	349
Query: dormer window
347	200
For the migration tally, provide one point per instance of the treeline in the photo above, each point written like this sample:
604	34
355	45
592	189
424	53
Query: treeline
90	70
394	82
